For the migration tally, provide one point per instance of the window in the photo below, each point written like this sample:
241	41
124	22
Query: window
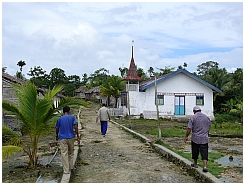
199	100
160	99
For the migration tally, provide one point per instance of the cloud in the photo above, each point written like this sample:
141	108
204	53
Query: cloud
84	37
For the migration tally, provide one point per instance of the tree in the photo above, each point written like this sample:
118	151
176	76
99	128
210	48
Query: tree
164	71
123	71
150	71
238	110
57	76
4	69
218	77
38	115
236	84
72	83
69	89
39	77
98	77
20	75
113	86
21	63
84	79
205	67
185	65
141	73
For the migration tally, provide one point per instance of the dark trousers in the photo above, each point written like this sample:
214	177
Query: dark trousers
202	148
104	125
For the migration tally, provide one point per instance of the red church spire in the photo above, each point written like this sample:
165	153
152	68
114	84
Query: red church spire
132	71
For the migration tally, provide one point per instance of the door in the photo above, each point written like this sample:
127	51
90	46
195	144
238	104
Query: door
179	108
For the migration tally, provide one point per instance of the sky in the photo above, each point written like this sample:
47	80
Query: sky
82	37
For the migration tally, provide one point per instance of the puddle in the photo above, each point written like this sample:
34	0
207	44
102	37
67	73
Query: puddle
56	161
44	180
227	180
226	161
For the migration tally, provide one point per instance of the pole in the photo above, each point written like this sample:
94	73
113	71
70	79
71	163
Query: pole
128	106
159	129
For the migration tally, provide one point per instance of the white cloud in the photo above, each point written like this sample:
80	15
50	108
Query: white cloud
84	37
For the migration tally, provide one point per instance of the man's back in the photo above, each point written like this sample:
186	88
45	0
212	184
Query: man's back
200	125
103	114
65	124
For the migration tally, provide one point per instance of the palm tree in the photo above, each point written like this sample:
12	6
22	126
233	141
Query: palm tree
21	63
38	115
113	86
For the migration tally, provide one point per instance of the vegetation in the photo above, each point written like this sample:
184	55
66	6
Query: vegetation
214	168
176	129
113	86
37	115
230	101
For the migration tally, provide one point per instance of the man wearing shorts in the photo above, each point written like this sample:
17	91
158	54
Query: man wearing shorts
200	125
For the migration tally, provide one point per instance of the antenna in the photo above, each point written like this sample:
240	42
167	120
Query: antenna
132	48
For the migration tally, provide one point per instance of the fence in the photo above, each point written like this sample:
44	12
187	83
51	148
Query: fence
116	111
150	114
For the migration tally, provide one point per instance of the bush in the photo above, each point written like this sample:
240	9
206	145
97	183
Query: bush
224	118
95	100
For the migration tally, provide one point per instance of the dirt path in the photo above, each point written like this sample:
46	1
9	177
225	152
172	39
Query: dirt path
119	157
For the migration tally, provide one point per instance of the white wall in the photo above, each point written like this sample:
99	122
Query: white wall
180	83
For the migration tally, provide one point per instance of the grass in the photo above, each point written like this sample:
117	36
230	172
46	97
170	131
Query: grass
227	128
213	167
176	129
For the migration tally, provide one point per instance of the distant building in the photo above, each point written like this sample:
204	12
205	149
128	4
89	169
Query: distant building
8	94
177	93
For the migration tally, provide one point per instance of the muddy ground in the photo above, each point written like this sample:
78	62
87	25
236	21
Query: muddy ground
118	157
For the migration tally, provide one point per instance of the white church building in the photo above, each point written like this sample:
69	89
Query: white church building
176	94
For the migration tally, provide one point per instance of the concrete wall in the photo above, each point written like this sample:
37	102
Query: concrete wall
180	84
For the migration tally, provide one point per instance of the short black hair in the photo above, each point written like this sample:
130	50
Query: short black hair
66	109
103	104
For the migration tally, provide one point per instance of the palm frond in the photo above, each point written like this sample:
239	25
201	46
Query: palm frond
10	137
51	93
8	151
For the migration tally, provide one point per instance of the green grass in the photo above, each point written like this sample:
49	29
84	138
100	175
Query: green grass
227	128
176	129
213	167
148	126
167	132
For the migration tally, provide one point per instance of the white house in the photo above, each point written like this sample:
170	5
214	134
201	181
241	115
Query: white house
176	93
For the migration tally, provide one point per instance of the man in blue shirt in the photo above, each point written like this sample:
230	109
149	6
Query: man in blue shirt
65	126
200	125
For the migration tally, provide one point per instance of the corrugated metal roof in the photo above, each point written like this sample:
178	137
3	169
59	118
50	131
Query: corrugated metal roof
12	78
19	81
149	83
81	89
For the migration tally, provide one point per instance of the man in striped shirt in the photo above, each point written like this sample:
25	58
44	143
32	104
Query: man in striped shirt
199	124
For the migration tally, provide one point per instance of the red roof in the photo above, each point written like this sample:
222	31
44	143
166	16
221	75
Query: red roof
132	71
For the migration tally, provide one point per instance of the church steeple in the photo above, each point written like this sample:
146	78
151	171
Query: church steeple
132	71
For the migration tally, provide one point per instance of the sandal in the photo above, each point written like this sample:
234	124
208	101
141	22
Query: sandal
195	166
205	170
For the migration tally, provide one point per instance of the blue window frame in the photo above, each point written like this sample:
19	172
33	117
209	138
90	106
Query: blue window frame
160	99
199	100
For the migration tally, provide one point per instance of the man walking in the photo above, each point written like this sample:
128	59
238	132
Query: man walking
200	125
104	116
65	126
